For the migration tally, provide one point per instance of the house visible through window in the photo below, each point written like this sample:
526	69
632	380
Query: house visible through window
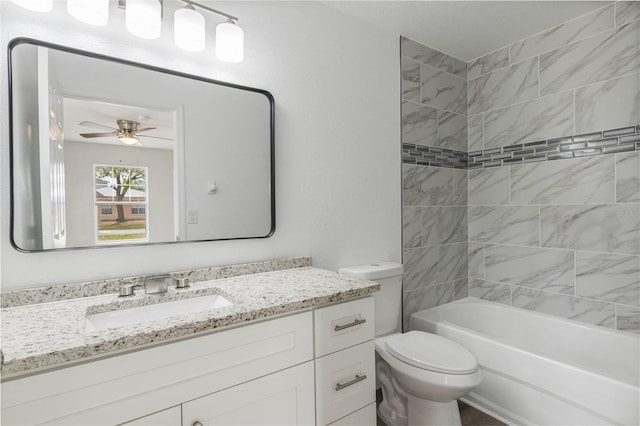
121	203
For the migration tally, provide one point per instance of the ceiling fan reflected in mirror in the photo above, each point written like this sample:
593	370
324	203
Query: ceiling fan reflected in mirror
128	131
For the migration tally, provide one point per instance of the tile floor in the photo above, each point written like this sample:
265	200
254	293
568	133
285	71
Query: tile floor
469	417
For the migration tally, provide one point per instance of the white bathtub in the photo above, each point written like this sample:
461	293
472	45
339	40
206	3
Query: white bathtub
540	369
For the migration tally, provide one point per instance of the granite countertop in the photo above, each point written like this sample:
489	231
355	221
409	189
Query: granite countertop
41	336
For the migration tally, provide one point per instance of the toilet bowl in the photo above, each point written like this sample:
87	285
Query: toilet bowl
421	374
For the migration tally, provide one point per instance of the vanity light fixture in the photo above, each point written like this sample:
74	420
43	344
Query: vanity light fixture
95	12
188	29
229	36
35	5
229	42
143	18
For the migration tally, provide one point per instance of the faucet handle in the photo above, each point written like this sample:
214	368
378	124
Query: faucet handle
181	282
127	290
156	284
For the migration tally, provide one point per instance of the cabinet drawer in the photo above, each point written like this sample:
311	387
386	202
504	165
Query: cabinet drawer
363	417
345	382
340	326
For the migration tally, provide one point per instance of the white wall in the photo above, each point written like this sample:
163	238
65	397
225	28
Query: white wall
336	86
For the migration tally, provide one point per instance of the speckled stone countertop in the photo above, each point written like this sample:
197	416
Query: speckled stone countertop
41	336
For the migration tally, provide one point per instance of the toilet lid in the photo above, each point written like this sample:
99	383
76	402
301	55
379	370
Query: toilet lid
431	352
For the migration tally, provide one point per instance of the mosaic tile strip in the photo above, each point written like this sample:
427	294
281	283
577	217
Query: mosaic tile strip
431	156
591	144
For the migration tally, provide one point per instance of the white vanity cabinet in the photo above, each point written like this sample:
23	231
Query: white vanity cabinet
264	373
345	362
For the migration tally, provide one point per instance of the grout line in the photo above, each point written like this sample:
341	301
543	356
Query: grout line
574	112
539	225
483	139
615	178
575	273
539	81
510	184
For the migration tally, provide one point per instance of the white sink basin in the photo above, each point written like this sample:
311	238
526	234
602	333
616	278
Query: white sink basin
142	314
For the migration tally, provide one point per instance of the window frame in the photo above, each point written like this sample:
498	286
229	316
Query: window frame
99	203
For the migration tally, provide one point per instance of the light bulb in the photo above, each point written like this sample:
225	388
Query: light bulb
188	29
128	139
35	5
229	42
93	12
143	18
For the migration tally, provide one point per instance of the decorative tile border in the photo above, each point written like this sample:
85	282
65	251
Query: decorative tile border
431	156
596	143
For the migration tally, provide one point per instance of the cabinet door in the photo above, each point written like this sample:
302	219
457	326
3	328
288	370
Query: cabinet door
283	398
169	417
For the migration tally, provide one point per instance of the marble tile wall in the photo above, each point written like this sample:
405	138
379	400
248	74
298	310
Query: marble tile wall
556	237
434	179
434	236
434	97
559	237
579	77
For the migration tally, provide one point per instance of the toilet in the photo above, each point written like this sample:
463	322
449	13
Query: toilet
421	374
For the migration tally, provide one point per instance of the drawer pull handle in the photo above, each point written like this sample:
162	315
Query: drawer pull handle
358	378
351	324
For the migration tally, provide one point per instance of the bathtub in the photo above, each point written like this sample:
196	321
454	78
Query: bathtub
540	369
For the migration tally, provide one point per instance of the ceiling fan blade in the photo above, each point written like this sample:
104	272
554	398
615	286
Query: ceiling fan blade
154	137
145	129
96	125
98	135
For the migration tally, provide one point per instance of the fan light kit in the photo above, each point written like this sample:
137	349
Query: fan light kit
143	18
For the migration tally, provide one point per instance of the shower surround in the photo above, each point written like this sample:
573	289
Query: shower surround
553	189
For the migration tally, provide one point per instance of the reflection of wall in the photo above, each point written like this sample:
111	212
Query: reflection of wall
79	160
337	132
560	237
28	225
216	151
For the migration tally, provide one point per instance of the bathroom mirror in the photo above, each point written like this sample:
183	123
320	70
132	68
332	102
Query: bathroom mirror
108	152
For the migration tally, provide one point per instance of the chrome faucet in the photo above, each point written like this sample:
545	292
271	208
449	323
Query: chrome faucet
156	284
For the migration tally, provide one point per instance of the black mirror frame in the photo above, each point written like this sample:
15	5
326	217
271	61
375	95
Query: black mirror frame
23	40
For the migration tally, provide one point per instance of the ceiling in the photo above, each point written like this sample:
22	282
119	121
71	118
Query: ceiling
465	29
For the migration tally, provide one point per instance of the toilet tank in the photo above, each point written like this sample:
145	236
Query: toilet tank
388	301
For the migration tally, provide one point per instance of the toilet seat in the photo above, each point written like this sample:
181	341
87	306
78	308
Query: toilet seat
431	352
